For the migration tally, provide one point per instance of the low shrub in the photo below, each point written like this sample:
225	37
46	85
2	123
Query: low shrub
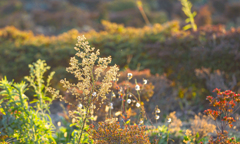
226	104
112	132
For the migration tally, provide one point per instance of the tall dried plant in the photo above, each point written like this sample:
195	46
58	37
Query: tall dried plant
88	71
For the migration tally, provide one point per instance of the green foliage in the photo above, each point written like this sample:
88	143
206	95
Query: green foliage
69	133
79	131
187	5
195	139
36	80
20	122
159	135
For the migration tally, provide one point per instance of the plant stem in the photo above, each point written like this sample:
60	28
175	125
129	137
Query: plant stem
58	136
168	134
82	128
89	102
110	103
126	98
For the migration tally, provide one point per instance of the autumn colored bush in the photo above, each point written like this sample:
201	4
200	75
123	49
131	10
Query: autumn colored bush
111	133
225	106
175	125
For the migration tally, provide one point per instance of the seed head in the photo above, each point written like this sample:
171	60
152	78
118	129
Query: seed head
80	105
129	76
145	81
129	101
94	94
137	87
169	120
111	105
138	105
157	110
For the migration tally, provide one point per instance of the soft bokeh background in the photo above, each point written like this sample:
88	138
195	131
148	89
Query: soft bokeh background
51	17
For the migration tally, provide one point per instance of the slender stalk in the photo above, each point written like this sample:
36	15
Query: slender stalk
139	3
89	103
122	104
82	128
110	103
126	99
168	134
39	89
139	100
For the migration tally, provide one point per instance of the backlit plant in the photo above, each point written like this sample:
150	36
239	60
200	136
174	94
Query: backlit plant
129	99
225	105
21	123
86	91
187	5
200	129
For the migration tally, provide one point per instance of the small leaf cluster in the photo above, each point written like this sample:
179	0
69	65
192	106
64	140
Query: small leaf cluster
225	104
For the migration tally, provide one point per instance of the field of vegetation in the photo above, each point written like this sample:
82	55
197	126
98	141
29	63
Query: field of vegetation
162	83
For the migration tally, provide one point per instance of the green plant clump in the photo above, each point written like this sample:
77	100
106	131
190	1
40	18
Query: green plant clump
21	123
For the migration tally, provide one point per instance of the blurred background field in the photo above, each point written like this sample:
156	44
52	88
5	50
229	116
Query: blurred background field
52	17
182	67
